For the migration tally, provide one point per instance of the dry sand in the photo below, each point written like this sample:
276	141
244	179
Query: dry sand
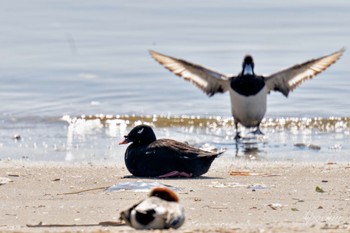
265	197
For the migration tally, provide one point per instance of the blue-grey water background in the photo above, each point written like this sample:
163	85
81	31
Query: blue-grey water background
60	60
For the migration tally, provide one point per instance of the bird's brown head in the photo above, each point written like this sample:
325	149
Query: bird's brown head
164	193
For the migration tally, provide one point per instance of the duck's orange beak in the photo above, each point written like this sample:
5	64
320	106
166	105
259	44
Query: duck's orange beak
125	141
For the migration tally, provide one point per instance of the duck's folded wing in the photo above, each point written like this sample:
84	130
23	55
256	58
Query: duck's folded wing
209	81
287	80
169	147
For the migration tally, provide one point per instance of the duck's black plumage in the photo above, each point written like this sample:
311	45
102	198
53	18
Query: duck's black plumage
247	85
149	157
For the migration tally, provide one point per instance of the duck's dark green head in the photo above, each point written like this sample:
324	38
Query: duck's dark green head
248	65
141	134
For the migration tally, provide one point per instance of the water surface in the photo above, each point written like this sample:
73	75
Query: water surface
74	58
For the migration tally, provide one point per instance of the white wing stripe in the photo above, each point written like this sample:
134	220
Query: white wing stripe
290	78
199	81
207	80
300	77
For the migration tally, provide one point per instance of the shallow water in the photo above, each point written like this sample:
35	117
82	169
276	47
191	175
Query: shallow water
74	58
95	138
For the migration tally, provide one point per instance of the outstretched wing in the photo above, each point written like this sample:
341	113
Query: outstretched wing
209	81
287	80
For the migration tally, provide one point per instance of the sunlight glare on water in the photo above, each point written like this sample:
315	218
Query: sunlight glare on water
95	138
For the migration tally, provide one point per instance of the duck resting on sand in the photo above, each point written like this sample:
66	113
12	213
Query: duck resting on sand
248	91
163	158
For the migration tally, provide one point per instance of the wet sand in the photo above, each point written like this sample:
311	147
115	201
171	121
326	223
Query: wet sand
242	197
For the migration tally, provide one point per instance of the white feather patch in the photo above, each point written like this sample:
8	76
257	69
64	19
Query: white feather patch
140	131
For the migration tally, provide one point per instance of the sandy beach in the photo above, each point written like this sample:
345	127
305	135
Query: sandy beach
243	197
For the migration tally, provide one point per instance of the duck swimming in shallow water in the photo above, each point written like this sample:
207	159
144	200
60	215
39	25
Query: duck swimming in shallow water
248	91
161	210
163	158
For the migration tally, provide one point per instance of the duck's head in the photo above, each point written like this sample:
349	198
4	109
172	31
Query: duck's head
142	134
164	193
248	65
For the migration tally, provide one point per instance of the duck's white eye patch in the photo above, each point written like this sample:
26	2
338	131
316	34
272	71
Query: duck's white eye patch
140	131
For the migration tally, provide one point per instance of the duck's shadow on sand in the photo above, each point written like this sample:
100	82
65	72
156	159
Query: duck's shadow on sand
172	178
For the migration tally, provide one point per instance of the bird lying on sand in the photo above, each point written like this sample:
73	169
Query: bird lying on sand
163	158
248	90
161	210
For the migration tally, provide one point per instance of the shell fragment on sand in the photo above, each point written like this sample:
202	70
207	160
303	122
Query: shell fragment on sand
139	186
4	180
